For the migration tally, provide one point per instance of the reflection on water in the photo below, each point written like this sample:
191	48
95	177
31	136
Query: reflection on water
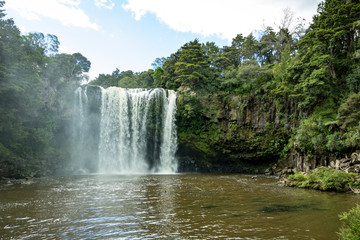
185	206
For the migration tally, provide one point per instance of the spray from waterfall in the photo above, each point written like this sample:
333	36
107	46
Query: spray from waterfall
132	130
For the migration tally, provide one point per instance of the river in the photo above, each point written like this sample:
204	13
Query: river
179	206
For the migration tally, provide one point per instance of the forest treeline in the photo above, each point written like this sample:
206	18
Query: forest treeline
316	69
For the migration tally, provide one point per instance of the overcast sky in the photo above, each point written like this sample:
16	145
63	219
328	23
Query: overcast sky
131	34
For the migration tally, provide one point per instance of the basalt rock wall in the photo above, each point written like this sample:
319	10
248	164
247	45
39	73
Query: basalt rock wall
230	133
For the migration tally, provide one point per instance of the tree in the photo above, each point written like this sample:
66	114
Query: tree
349	112
44	44
273	44
316	68
212	51
268	53
145	79
335	27
169	78
242	49
69	68
157	75
34	84
246	48
193	64
159	62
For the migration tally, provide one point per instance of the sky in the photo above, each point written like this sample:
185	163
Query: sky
131	34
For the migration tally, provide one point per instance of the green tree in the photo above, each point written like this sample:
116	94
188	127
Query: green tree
268	53
157	76
66	68
212	51
159	62
169	78
146	79
44	44
192	66
242	49
247	79
327	52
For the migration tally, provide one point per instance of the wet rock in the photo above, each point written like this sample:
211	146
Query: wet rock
269	172
347	164
355	190
284	182
355	158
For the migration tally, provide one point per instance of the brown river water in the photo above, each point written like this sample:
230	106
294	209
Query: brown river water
181	206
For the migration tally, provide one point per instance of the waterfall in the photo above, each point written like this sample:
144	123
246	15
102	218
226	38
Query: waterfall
133	130
169	137
79	129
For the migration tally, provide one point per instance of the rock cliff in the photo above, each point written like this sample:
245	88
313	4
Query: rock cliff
225	132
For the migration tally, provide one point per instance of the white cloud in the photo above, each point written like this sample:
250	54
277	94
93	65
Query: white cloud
224	18
70	2
65	11
108	4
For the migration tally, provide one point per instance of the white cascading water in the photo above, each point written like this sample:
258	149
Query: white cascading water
79	129
136	130
169	137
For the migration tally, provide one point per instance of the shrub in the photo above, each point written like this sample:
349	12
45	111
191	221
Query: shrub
350	229
325	179
297	178
331	179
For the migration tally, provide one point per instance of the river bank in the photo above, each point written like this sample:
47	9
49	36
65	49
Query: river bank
341	175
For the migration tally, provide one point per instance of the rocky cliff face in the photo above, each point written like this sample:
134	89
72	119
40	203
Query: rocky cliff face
231	133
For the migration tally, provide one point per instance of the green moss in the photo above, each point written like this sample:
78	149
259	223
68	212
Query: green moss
196	142
204	147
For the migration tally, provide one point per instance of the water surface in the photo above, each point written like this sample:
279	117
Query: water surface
184	206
